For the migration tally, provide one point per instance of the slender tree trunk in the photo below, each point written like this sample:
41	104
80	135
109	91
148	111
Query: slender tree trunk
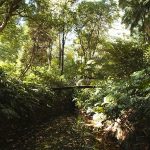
60	49
49	55
51	48
62	52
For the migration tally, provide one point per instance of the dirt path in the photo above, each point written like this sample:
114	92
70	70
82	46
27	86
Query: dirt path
66	132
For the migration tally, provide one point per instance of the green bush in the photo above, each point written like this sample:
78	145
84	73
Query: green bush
122	58
114	97
44	77
22	100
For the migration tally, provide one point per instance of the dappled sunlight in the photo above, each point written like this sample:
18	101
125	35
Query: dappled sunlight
74	75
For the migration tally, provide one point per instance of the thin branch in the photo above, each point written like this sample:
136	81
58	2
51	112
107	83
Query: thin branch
4	23
12	8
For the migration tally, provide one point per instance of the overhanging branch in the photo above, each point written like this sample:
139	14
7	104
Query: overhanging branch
12	7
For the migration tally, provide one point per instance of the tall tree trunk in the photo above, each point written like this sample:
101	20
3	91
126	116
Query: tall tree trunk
51	48
49	54
62	52
60	49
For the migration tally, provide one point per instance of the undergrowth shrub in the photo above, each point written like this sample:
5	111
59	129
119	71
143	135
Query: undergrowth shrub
29	100
121	108
114	97
45	77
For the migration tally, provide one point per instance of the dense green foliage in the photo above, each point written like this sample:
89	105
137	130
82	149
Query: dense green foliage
137	14
122	58
113	97
31	99
38	59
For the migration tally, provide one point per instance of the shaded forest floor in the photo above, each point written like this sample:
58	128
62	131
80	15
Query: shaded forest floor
66	132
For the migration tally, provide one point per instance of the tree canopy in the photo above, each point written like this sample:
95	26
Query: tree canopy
137	15
59	56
